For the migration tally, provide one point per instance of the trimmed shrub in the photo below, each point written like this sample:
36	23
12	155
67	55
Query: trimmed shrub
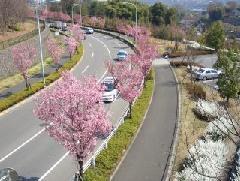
184	64
196	91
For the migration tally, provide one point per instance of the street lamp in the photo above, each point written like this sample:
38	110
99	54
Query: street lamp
80	9
40	43
136	11
72	11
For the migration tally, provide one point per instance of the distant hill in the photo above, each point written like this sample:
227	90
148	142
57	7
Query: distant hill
191	4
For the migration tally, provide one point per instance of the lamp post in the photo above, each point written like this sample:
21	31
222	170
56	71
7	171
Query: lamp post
80	9
72	11
80	12
136	21
40	42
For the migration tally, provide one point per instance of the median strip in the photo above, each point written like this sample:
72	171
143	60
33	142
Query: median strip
109	158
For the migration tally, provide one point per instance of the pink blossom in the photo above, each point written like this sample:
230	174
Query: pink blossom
71	45
55	50
23	55
77	33
72	115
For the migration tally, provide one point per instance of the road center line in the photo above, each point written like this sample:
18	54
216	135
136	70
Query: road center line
99	80
85	69
109	52
22	145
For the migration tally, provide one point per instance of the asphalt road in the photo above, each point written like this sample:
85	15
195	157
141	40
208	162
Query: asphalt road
205	60
24	144
147	159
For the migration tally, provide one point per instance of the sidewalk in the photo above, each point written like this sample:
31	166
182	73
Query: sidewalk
147	159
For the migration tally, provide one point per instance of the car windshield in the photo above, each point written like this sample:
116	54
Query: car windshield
108	87
121	53
200	71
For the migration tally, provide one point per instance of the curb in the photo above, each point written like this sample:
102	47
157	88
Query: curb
176	131
31	97
136	134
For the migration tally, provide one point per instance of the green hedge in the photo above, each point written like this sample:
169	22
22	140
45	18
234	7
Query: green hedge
21	95
109	158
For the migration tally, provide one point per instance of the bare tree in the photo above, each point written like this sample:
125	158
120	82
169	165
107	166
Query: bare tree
11	12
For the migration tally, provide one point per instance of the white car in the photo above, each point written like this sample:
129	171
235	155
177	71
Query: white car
110	93
207	73
89	30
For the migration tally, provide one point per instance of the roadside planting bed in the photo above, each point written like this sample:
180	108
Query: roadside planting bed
207	135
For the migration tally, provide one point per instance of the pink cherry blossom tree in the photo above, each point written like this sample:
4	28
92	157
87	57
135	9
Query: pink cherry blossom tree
128	80
71	45
55	51
72	116
23	55
77	32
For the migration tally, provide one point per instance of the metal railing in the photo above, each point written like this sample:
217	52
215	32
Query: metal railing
91	161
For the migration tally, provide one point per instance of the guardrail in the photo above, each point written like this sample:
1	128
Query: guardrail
91	160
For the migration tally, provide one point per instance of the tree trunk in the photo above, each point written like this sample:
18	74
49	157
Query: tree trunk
80	162
28	85
130	110
228	100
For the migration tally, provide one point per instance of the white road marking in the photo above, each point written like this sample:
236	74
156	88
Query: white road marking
102	76
85	69
56	164
22	145
40	132
100	41
92	54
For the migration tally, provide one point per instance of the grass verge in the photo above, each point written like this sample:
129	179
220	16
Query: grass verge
21	95
191	126
109	158
17	78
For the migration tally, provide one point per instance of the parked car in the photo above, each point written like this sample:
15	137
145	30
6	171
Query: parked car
89	30
110	92
207	73
121	55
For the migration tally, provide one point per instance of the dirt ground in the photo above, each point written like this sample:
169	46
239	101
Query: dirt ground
164	45
24	28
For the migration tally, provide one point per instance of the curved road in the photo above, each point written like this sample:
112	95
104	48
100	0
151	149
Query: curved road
24	144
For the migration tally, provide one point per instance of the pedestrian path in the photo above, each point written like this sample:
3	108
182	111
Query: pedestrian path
147	158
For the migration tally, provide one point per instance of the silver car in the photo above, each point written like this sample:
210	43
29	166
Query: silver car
206	73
